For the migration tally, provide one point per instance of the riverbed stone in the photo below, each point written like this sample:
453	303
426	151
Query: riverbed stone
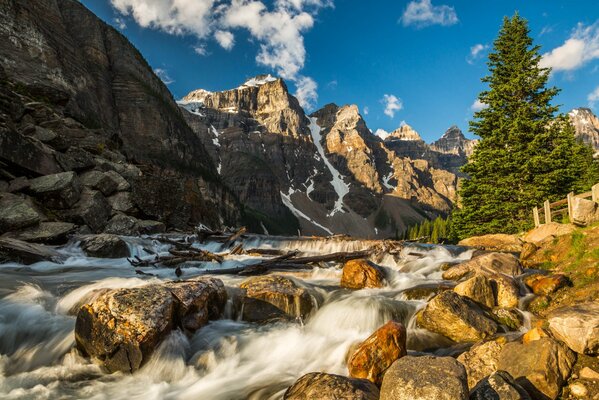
16	213
481	360
101	181
361	273
318	385
425	378
577	326
457	318
59	191
149	227
122	224
485	264
542	366
477	289
46	232
499	242
275	297
121	328
506	289
372	357
543	285
14	250
105	246
92	210
509	317
425	291
499	385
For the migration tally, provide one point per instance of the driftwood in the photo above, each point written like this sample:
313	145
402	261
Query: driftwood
177	257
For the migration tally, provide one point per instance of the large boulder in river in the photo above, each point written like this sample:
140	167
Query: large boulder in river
361	273
58	191
275	297
542	366
457	318
16	213
478	289
373	356
105	246
486	264
13	250
425	378
122	327
577	326
499	385
45	232
318	385
494	242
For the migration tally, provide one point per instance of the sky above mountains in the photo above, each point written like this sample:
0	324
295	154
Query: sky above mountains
416	61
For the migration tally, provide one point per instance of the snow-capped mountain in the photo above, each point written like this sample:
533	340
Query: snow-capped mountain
586	125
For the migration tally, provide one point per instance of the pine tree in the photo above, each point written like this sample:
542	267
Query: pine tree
526	154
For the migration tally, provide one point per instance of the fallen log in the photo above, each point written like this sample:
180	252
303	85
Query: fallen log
235	236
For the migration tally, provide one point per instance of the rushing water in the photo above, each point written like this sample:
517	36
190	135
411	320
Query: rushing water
227	359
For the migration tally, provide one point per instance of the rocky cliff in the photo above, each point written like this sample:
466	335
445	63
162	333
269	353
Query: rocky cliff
78	97
586	125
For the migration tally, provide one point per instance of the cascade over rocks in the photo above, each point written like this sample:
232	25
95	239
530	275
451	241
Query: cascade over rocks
318	385
372	357
361	273
122	327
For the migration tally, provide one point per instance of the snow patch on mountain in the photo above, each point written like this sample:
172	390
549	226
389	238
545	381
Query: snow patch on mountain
258	81
286	199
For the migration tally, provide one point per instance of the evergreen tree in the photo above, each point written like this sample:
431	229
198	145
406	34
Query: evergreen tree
526	155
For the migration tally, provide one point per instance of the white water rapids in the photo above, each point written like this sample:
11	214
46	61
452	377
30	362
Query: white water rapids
227	359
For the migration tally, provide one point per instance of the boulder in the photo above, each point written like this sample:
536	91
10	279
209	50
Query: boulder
499	385
122	202
494	242
509	317
478	289
58	191
577	326
92	210
105	246
13	250
589	373
361	273
542	285
16	213
122	224
481	360
373	356
548	231
506	289
425	378
76	159
122	327
541	366
150	227
425	291
584	211
27	154
486	264
122	183
18	184
528	250
457	318
100	181
46	232
318	385
274	297
534	334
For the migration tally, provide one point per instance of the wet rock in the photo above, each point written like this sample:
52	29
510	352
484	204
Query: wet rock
105	246
494	242
477	289
318	385
13	250
481	360
510	317
425	377
122	183
425	291
499	385
16	213
122	327
100	181
548	231
577	326
92	210
457	318
122	202
359	274
122	224
544	285
273	297
372	357
46	232
541	366
486	264
58	191
150	227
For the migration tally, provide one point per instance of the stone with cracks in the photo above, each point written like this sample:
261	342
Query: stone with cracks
361	273
318	385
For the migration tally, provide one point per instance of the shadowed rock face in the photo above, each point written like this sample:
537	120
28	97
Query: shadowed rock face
586	125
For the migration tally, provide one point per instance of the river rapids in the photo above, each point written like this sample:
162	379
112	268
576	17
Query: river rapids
227	359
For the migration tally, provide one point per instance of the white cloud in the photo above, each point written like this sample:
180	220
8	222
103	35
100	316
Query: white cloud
476	52
120	23
593	97
581	47
225	38
366	110
200	50
383	134
546	29
306	92
421	13
164	76
392	104
332	84
478	105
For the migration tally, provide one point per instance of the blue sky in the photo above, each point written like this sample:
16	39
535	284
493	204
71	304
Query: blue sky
415	61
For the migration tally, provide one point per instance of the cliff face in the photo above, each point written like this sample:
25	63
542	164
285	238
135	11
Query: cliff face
586	125
97	94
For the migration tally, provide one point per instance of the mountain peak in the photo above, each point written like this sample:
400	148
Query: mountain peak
453	133
259	80
405	132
